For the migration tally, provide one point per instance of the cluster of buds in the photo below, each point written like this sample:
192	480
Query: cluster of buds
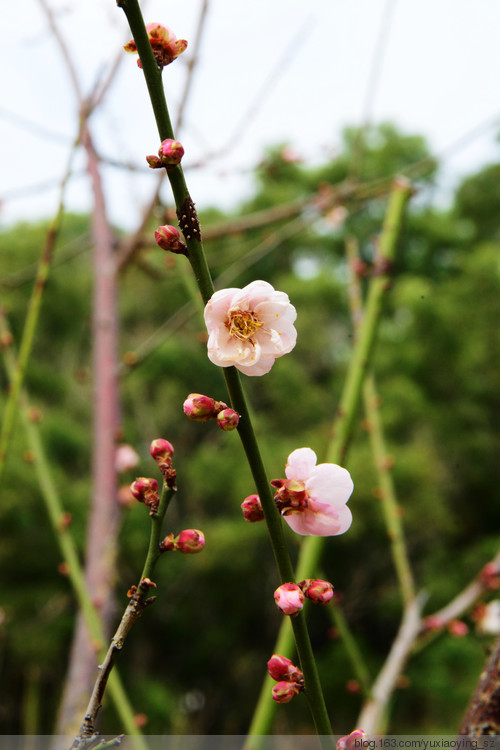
169	238
290	597
252	509
201	408
169	156
145	490
489	576
189	542
289	678
162	451
166	47
354	740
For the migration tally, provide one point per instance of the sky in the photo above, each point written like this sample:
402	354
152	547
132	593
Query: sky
268	71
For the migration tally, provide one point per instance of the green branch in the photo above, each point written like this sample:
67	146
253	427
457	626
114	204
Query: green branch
21	364
343	428
197	258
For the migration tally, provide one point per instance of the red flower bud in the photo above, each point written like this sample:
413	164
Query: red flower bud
145	490
171	152
283	692
318	591
281	668
190	541
201	408
169	238
142	486
252	509
354	740
228	420
161	449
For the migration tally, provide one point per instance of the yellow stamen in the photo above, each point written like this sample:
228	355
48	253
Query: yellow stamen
242	324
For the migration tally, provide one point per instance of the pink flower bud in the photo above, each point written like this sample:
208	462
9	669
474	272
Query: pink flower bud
283	692
228	420
353	740
171	152
201	408
457	628
252	509
142	486
281	668
289	598
125	458
489	576
190	541
145	490
161	449
318	591
169	238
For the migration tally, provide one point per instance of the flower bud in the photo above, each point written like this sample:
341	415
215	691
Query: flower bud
154	161
190	541
457	628
161	449
489	576
145	490
353	740
142	486
228	420
126	458
283	692
281	668
170	152
169	238
252	509
201	408
289	598
318	591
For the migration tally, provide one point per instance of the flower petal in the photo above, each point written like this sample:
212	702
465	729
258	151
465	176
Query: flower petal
300	464
330	522
261	367
331	484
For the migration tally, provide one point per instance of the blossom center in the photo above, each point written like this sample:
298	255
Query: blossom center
243	324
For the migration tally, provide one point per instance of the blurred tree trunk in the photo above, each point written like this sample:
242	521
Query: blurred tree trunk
100	558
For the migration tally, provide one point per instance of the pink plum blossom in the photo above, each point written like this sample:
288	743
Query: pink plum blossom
327	489
166	46
250	327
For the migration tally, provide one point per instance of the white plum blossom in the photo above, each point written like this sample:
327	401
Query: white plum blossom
327	489
250	327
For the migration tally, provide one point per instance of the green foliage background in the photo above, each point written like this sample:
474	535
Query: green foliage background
195	661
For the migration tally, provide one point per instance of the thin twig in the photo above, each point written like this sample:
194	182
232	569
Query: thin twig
383	687
139	599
